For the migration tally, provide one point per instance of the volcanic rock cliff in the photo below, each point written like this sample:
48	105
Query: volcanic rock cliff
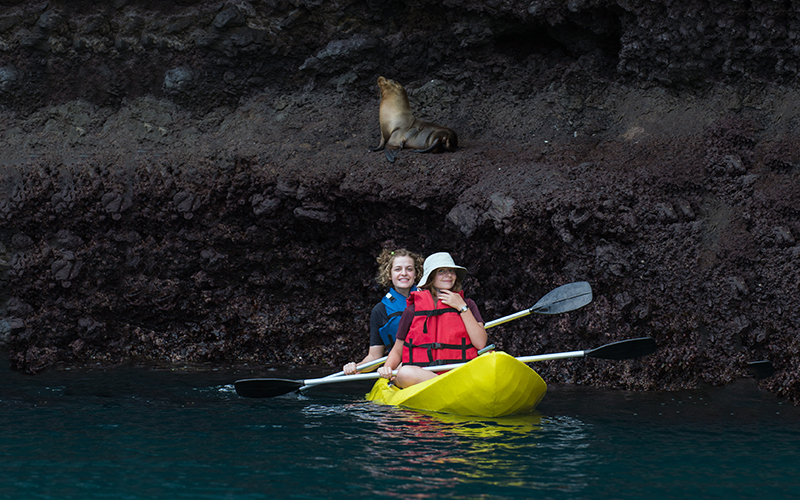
189	181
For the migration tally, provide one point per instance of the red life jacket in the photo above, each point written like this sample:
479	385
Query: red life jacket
436	336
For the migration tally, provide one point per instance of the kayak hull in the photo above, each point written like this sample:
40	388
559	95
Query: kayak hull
491	385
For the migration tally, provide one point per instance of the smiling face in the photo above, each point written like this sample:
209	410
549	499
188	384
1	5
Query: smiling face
444	278
403	274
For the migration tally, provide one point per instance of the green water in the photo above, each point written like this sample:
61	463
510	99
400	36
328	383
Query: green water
133	433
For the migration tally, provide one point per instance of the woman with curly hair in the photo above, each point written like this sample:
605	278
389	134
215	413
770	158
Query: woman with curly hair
398	270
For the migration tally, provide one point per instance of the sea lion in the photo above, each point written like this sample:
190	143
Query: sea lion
399	128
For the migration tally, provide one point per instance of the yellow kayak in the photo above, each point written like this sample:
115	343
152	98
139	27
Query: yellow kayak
491	385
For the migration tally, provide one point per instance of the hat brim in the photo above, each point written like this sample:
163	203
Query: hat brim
461	274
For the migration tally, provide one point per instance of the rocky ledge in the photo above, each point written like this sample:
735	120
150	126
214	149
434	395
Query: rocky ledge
189	182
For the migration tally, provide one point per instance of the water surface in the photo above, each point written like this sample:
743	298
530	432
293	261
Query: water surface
139	433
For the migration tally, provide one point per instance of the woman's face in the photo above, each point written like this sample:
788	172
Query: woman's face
444	278
403	273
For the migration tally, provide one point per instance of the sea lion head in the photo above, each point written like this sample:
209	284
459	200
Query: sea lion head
390	88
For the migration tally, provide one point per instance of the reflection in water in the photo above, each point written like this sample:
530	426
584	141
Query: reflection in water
420	455
585	445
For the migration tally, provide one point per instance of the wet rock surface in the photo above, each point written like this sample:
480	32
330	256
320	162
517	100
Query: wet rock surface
189	182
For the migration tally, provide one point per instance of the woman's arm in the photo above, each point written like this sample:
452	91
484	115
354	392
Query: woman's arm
392	361
396	355
475	330
377	319
375	352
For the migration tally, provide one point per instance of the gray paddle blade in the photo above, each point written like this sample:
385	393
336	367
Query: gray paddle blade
265	387
564	298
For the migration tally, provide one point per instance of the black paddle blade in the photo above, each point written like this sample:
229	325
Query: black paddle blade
761	369
564	299
265	387
624	349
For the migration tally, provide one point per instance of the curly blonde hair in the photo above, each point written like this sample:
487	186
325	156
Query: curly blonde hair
386	259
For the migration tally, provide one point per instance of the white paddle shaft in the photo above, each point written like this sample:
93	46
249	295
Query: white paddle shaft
373	375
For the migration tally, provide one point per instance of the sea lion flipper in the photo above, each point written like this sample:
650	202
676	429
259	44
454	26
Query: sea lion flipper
433	147
380	146
391	154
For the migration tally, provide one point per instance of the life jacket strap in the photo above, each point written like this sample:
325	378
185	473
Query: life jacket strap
429	347
433	312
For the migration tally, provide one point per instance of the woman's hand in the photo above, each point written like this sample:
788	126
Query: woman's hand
350	369
451	299
386	372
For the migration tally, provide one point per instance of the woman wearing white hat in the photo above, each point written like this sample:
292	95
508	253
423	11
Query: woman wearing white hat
439	325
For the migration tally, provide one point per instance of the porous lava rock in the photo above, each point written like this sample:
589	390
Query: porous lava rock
188	182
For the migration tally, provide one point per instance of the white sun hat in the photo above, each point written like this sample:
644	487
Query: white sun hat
437	261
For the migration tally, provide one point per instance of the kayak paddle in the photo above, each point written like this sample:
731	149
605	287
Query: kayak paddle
271	387
624	349
374	362
563	299
560	300
380	361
